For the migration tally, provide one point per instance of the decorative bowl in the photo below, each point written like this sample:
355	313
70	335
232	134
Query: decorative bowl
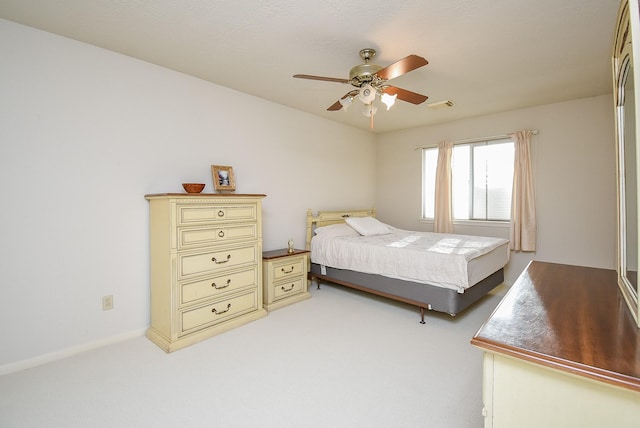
193	187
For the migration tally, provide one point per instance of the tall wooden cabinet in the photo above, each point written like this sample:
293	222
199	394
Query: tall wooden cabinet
206	265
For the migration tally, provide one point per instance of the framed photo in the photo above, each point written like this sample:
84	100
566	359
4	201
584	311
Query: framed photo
223	179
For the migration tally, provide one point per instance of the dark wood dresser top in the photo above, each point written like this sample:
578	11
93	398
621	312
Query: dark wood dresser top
570	318
283	252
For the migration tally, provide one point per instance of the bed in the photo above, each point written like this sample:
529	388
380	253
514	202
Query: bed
439	272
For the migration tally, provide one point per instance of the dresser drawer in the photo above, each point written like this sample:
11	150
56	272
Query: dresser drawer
288	268
204	236
288	288
216	261
220	311
194	214
216	285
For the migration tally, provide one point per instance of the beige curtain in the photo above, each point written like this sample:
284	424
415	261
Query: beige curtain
523	207
443	222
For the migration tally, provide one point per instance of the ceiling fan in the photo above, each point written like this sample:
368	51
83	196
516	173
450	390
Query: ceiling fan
371	80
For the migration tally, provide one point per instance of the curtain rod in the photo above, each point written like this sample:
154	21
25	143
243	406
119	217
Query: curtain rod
477	140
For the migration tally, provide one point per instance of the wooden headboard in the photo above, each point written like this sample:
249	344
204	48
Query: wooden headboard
325	218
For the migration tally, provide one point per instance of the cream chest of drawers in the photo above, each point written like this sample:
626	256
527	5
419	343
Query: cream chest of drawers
284	277
206	270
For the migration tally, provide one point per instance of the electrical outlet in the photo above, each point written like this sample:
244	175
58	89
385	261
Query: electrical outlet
107	303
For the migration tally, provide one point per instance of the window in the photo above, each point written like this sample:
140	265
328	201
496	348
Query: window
482	177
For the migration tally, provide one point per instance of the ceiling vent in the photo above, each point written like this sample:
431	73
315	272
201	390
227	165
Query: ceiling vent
440	104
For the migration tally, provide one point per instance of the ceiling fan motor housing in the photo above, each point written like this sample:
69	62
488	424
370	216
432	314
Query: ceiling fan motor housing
363	73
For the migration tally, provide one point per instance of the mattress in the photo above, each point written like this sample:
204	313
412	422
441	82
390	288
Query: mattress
451	261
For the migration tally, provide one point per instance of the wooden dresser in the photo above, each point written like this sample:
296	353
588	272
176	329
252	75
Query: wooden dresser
206	265
561	350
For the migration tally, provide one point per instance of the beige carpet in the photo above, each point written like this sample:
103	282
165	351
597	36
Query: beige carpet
339	359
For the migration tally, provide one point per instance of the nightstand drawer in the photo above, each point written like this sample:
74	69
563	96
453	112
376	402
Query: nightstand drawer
204	236
193	214
216	261
288	288
289	268
216	285
220	311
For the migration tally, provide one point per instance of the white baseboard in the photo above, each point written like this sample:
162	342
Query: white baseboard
68	352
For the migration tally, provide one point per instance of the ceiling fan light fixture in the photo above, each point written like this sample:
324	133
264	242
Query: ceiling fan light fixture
346	103
388	100
367	94
369	110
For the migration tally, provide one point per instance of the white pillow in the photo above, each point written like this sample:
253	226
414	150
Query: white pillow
368	226
332	230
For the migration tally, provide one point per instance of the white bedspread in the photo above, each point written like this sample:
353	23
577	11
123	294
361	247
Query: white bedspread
433	258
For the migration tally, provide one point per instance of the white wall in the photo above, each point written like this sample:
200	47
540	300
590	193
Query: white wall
85	133
574	166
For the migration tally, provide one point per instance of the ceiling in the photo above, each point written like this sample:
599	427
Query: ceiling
485	56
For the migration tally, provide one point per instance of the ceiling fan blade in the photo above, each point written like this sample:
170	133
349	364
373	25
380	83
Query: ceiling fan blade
326	79
335	106
404	95
401	67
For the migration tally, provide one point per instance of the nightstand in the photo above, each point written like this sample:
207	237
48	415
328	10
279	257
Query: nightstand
284	277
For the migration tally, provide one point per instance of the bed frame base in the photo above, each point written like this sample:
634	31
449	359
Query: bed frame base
423	296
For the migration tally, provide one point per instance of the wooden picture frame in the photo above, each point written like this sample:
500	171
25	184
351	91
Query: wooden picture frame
223	178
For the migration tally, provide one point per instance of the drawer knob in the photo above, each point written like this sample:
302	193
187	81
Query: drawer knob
221	234
214	285
286	290
215	311
287	271
220	213
219	262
